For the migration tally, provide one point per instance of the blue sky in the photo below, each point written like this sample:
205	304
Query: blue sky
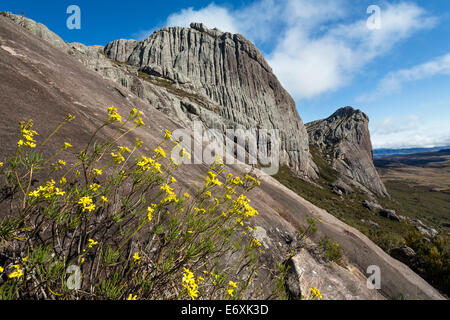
321	50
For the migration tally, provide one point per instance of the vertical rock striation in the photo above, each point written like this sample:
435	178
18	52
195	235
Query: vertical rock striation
231	72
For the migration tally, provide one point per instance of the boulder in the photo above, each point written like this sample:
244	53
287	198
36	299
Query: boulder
406	255
372	206
390	214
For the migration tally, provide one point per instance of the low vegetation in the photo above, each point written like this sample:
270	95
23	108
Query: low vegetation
408	200
114	224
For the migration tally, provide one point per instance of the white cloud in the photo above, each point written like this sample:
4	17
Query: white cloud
213	16
409	132
393	81
309	64
318	48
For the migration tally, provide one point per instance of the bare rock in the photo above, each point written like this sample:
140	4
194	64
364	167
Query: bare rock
345	137
334	282
390	214
426	231
406	255
372	206
231	72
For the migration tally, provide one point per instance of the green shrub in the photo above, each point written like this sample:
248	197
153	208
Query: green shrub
114	224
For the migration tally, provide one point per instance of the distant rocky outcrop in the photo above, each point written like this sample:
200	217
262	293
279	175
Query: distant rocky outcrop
344	142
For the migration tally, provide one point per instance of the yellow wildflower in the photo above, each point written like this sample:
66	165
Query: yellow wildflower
315	293
117	158
86	204
167	135
97	172
255	243
113	115
136	257
160	151
94	187
131	297
92	243
190	284
124	149
139	122
150	211
104	199
17	273
138	143
67	145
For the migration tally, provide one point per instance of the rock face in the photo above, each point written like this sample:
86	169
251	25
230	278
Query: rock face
344	141
231	73
336	282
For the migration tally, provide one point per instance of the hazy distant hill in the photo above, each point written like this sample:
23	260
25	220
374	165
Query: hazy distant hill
382	153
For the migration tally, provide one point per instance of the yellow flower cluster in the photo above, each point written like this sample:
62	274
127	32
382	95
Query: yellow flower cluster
86	204
113	115
159	151
150	211
231	286
117	158
48	191
211	179
136	115
27	135
148	163
243	208
255	243
249	177
315	293
92	243
190	284
94	187
131	297
167	135
17	273
170	195
97	172
138	143
237	181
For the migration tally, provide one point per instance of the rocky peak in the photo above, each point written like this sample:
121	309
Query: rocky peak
344	141
231	73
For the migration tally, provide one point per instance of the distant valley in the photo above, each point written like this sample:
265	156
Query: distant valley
383	152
